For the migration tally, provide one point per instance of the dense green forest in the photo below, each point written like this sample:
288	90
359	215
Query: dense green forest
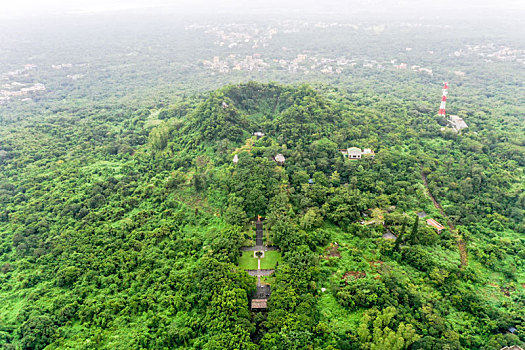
123	229
123	216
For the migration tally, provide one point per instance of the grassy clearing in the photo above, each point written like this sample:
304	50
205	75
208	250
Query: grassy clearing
11	307
268	279
270	259
247	261
336	316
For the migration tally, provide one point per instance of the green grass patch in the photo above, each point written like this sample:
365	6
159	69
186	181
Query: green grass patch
268	279
247	261
270	259
336	316
11	307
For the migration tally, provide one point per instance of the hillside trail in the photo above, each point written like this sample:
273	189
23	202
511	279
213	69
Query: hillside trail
459	239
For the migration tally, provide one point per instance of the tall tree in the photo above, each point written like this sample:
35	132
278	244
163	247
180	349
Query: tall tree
414	239
400	236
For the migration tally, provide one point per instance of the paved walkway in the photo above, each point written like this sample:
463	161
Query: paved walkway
259	247
264	272
259	233
263	291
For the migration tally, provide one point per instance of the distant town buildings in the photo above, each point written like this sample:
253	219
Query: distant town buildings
36	87
75	76
61	66
236	63
301	58
492	52
302	64
16	89
250	47
425	70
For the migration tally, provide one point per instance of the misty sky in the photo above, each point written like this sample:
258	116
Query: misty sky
30	8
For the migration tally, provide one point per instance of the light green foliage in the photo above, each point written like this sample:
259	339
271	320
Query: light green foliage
247	261
379	330
121	236
311	219
158	138
270	260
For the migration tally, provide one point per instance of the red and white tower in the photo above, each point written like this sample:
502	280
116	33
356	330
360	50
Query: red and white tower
443	99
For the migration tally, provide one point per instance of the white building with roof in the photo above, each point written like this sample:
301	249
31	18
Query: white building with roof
357	153
279	159
457	123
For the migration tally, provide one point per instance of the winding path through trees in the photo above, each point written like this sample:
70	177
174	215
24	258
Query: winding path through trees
459	239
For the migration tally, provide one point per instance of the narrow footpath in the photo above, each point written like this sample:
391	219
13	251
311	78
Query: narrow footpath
460	241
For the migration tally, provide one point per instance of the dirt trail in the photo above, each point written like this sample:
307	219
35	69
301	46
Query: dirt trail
460	241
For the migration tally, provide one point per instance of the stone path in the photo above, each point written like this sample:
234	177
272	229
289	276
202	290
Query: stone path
259	233
264	272
263	291
258	248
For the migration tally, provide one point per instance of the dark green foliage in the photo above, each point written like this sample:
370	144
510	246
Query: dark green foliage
414	234
214	120
36	332
226	244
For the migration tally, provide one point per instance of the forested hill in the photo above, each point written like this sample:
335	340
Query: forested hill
122	229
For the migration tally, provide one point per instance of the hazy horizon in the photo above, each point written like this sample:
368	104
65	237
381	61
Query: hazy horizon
427	8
